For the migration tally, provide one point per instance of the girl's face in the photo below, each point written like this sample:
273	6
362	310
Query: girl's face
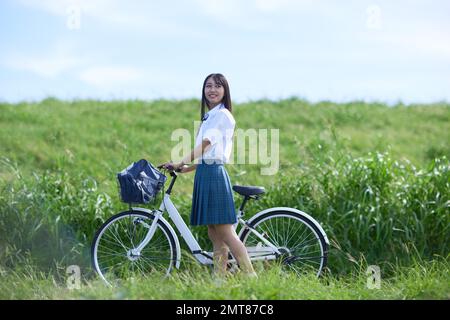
214	92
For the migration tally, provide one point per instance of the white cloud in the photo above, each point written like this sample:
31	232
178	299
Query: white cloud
431	42
56	61
110	76
266	15
236	14
47	68
271	6
103	9
144	17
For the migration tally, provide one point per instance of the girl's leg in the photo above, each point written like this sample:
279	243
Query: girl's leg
220	251
228	235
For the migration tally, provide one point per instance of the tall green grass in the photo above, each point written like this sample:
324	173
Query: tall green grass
372	208
49	219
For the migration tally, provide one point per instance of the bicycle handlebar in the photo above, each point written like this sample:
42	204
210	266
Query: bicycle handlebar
169	167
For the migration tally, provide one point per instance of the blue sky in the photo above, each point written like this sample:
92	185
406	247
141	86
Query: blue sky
386	51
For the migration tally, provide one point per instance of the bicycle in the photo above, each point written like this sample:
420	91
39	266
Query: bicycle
143	241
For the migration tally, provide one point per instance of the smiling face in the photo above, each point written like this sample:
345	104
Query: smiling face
214	92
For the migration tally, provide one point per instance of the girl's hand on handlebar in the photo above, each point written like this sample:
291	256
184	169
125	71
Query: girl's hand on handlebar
172	166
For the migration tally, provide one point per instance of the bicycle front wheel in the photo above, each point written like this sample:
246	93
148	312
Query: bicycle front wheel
114	254
302	244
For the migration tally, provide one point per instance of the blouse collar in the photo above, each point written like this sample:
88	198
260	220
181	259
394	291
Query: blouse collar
213	110
216	108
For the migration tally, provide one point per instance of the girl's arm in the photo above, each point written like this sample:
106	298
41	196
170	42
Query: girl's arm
186	169
197	152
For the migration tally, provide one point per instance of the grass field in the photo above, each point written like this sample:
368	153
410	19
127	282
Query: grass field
375	176
424	280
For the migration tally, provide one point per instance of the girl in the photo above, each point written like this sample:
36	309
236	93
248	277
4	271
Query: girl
212	200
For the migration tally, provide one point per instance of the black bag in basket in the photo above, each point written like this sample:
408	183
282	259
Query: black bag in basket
140	182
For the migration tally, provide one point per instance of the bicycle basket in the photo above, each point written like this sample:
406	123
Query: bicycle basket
140	182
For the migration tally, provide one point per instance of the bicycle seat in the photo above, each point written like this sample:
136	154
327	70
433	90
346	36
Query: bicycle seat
249	190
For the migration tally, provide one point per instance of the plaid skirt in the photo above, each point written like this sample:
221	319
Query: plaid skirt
212	198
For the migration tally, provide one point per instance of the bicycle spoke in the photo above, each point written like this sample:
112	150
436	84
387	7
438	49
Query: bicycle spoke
113	254
129	231
272	237
305	229
302	245
116	237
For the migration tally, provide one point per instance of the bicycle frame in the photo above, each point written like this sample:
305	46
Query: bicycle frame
260	252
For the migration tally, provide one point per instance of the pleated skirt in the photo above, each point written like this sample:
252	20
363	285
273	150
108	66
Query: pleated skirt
212	197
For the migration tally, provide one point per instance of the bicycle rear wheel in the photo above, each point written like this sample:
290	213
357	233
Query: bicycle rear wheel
113	248
302	243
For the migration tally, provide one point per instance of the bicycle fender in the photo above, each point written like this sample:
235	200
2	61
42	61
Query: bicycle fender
293	210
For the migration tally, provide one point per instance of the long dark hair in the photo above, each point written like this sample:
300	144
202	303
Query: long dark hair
219	79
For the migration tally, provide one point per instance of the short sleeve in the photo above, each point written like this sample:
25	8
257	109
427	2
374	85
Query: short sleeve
227	123
213	135
222	127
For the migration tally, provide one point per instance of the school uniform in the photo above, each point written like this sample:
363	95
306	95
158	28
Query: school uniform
212	198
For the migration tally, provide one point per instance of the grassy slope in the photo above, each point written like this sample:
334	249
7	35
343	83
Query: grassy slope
99	138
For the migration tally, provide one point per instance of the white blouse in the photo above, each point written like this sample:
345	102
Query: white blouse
217	127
